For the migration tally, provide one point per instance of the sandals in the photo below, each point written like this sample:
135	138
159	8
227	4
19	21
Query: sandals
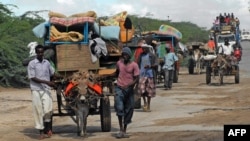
49	133
122	135
145	108
41	137
45	135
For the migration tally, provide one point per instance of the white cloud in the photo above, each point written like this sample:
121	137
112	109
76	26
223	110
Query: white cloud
65	2
200	12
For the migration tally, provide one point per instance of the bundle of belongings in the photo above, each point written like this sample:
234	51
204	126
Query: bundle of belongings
72	36
114	28
60	20
97	47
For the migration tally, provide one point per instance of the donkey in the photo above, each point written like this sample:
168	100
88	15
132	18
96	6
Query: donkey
197	57
219	67
81	110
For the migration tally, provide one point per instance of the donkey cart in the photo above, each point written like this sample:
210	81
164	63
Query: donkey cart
78	99
219	70
82	91
195	62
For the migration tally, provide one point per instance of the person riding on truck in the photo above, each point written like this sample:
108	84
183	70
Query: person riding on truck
227	51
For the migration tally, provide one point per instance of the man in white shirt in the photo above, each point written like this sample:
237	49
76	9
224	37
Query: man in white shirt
227	51
39	72
226	48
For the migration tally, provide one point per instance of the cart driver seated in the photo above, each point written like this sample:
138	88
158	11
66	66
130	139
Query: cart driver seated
226	54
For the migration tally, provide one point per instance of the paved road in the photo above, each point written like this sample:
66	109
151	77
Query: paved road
245	62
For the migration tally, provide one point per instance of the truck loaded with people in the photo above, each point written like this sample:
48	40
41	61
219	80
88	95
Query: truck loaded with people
226	26
228	52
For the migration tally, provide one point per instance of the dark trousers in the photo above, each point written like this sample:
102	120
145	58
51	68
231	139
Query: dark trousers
168	78
124	103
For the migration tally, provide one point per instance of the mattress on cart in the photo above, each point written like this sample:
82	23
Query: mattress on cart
71	21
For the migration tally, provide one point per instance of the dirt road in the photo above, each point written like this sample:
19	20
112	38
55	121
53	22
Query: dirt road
192	110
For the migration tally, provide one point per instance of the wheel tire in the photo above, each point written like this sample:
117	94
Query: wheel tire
105	114
221	79
176	74
208	75
190	66
137	102
237	75
137	98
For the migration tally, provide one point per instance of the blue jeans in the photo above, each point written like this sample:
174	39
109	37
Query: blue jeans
124	103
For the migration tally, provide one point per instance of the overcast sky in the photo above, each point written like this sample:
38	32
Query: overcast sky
200	12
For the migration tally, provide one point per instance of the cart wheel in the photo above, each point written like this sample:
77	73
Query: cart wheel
176	74
237	75
59	93
190	66
105	114
137	98
208	75
220	77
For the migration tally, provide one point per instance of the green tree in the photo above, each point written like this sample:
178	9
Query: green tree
16	33
190	32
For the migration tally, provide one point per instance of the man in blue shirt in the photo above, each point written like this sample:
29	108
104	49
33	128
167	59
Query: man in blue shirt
169	61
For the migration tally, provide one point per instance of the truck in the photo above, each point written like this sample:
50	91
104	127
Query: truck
225	31
215	64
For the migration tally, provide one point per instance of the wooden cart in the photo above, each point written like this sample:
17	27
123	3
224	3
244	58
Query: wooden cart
220	71
71	58
196	52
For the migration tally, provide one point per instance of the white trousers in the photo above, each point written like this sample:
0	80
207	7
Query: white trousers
42	107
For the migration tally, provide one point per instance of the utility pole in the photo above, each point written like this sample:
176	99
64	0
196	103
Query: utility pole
168	20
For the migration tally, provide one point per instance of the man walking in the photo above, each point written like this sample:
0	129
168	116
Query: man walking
128	75
148	64
39	73
169	61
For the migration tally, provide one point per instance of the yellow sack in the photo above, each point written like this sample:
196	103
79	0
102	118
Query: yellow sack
72	36
114	20
56	14
86	14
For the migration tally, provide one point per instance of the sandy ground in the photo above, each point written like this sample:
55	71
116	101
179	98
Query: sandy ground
191	111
